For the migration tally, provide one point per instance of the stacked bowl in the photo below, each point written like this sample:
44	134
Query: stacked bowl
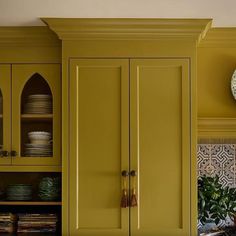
40	144
49	189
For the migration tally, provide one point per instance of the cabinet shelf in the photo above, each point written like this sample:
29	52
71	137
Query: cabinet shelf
29	203
21	234
35	117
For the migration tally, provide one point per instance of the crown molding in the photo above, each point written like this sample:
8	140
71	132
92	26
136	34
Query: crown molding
28	36
217	127
220	37
128	28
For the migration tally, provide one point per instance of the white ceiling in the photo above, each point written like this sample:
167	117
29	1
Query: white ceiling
28	12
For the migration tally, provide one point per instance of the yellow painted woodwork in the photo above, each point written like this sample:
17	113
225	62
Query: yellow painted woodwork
65	148
36	117
216	63
26	45
99	146
36	168
216	127
29	44
127	38
21	74
29	203
5	119
129	28
160	146
23	52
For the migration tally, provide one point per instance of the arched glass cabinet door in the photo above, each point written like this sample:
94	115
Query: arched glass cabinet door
5	114
36	112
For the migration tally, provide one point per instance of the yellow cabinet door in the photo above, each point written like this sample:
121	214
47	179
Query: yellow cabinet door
99	146
5	114
36	114
160	146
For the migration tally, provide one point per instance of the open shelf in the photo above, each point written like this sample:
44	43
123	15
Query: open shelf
21	234
29	203
32	117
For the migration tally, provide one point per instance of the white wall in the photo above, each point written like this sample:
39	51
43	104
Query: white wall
27	12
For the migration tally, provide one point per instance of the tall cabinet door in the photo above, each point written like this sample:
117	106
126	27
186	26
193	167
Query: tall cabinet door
99	146
5	114
160	146
36	112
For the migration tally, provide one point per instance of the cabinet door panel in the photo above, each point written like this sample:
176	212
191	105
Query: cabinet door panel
5	112
34	79
160	146
99	97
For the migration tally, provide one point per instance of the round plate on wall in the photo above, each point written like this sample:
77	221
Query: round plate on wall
233	84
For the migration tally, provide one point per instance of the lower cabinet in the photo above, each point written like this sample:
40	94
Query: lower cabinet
129	114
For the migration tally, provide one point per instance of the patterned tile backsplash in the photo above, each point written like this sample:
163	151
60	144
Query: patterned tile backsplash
218	159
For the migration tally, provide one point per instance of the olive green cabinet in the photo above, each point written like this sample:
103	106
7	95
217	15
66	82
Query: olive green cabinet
99	144
160	146
129	114
24	109
5	114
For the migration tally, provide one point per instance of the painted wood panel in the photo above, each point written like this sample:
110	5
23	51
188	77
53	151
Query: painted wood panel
99	146
5	112
160	146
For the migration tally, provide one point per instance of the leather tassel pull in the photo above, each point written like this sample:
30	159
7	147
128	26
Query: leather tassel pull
133	199
124	198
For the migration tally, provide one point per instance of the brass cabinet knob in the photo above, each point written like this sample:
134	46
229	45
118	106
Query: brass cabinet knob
13	153
133	173
4	153
125	173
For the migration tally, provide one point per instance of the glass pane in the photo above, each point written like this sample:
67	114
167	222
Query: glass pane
1	120
36	118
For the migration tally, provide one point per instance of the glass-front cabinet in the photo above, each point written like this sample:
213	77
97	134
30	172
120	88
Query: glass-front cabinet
30	111
5	114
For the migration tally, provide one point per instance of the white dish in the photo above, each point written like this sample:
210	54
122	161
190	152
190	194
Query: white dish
39	134
233	84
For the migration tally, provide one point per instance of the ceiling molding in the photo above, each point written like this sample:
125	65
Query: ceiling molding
128	29
220	37
28	36
217	127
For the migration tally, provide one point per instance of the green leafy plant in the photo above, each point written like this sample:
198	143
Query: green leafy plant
215	202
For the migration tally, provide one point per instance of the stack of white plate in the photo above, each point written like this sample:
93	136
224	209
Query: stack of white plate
40	144
38	104
38	150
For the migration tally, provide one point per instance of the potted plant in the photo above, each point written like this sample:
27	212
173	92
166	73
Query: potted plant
215	202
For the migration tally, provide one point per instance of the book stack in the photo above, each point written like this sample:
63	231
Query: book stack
37	223
7	223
